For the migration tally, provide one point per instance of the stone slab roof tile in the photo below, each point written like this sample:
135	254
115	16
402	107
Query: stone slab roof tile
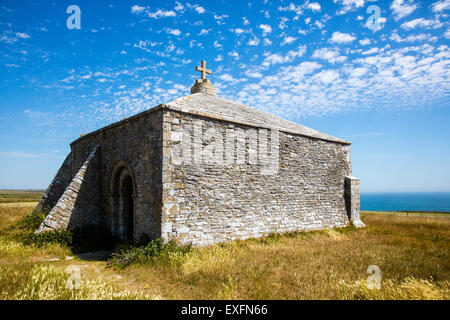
209	105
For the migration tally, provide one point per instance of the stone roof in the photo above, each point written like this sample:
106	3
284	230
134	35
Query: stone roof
209	105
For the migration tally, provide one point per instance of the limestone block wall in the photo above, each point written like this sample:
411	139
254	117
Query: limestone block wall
58	185
352	198
135	143
234	195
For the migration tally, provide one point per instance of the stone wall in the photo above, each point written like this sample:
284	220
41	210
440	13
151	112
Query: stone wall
352	198
58	185
80	203
135	143
202	180
205	203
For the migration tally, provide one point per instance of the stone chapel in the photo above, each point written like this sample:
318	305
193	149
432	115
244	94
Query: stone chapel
203	170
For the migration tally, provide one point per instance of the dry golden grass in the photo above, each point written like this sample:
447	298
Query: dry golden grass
28	272
41	282
19	204
11	215
12	250
411	251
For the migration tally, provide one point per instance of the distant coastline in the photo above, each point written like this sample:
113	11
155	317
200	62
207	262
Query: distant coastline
418	202
406	201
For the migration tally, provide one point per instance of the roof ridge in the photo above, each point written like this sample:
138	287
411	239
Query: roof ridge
187	104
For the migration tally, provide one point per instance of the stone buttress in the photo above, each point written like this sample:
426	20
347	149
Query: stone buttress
80	203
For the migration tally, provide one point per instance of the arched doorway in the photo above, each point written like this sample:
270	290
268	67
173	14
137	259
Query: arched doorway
127	208
123	203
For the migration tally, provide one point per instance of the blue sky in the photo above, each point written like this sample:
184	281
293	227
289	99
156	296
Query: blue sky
324	64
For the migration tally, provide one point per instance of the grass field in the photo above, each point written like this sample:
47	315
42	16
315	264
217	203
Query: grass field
412	253
407	214
22	196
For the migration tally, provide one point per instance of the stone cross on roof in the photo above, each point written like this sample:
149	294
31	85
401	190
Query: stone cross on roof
203	85
203	69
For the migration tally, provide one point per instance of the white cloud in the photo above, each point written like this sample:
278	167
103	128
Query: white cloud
253	42
328	76
22	35
234	54
276	58
364	42
329	55
238	30
161	14
219	18
440	6
413	37
137	9
292	7
319	24
314	6
288	40
227	77
200	10
402	9
267	42
348	5
283	24
178	6
175	32
265	28
253	74
339	37
370	51
380	24
421	22
357	72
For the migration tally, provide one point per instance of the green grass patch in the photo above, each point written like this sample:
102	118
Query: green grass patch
11	196
82	239
154	251
407	213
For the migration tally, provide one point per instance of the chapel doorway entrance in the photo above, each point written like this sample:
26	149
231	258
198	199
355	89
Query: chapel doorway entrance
123	204
127	209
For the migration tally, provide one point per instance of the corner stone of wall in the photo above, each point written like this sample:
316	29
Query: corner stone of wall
352	199
79	204
57	186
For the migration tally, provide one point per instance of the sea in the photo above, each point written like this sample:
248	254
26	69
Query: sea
411	201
